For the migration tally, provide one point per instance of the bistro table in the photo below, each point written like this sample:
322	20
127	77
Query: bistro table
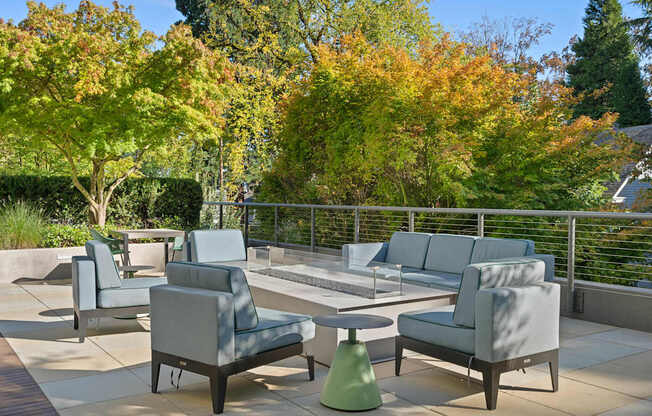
164	233
351	382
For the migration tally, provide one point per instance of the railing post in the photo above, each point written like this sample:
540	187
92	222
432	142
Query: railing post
221	216
276	225
411	223
246	226
480	225
312	229
356	226
570	271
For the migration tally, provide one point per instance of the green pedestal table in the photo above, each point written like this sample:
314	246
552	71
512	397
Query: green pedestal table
351	382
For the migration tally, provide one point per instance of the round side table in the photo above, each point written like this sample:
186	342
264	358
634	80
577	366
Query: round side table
351	382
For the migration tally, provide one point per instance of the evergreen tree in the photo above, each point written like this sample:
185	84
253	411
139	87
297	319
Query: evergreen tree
606	70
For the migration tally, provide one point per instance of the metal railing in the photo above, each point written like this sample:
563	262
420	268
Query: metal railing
607	247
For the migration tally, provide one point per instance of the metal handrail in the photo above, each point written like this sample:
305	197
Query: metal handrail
486	211
479	213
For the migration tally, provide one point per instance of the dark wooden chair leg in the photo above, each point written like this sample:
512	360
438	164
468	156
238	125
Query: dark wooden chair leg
311	367
218	391
156	370
82	325
554	372
75	321
399	356
491	381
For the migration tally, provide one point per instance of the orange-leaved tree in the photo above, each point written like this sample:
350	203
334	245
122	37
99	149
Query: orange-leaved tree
438	126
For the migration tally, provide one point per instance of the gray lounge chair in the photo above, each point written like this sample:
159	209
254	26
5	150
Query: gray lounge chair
506	318
98	291
205	321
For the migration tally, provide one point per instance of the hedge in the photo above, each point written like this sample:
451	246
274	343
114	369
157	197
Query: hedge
137	202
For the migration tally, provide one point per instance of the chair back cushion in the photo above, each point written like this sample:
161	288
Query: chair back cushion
487	248
220	278
216	245
408	249
449	253
521	271
106	271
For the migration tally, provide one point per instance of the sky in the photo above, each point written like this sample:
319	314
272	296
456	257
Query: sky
453	15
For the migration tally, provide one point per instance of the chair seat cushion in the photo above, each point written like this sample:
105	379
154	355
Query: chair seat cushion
433	279
436	326
275	329
132	292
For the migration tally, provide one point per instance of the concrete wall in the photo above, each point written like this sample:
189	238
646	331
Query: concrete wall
55	263
622	306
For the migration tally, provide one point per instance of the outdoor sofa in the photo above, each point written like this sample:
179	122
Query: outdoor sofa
205	321
98	291
438	260
506	318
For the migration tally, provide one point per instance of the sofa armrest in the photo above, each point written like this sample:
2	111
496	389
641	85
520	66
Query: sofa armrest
364	253
549	260
513	322
84	294
197	324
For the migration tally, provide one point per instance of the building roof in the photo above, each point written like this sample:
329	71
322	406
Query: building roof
627	189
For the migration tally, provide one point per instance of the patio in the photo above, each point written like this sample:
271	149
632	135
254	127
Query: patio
603	370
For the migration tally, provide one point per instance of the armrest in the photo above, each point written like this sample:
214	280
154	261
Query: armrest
84	294
365	253
549	260
197	324
513	322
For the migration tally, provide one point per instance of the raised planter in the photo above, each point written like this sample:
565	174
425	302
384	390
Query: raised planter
55	263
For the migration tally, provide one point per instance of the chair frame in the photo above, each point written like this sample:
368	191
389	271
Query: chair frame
218	375
80	319
490	371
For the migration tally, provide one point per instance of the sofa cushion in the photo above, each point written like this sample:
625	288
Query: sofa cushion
436	326
216	245
433	279
449	253
132	292
106	271
487	248
222	278
519	271
408	249
275	329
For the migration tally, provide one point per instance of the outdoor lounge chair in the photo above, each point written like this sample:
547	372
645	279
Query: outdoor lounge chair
205	321
506	318
216	246
98	291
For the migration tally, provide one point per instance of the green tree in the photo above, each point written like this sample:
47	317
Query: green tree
272	44
606	73
103	94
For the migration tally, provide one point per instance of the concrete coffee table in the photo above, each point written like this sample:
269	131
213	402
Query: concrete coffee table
351	382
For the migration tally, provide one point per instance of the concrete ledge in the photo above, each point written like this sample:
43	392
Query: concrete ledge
622	306
55	263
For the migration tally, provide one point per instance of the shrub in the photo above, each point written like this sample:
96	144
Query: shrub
62	235
21	225
138	202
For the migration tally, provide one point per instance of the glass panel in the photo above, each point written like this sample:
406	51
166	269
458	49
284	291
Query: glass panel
370	280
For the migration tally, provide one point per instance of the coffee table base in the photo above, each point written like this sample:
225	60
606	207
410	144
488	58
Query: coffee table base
351	382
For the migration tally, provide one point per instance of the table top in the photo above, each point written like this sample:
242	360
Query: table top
149	233
135	268
352	321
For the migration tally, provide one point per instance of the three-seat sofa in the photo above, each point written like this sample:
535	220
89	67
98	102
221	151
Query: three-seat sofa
439	260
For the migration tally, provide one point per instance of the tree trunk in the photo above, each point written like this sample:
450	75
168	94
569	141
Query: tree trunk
97	215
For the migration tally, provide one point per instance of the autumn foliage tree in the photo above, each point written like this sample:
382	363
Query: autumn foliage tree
104	94
440	127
